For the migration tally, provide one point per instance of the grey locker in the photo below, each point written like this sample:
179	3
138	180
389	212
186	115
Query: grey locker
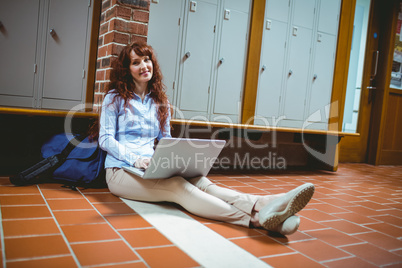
271	68
297	74
322	75
231	62
18	43
65	54
163	36
197	56
303	13
329	16
277	10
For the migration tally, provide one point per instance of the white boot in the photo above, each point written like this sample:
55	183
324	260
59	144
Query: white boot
281	208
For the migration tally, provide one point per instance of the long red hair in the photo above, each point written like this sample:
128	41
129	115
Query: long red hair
122	82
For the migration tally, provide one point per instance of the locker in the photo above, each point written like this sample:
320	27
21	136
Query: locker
322	73
65	52
197	56
163	36
303	13
271	69
297	74
329	16
18	49
277	10
231	63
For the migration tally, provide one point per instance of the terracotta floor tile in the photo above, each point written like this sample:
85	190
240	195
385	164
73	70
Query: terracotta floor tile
89	232
389	219
334	237
350	262
325	252
102	198
261	246
145	238
307	224
59	262
77	217
347	197
24	212
346	227
327	208
365	211
386	228
40	246
29	227
373	254
372	205
136	264
291	260
355	218
336	202
316	215
232	183
231	231
167	257
113	208
128	221
103	253
296	237
69	204
28	199
380	240
61	193
31	189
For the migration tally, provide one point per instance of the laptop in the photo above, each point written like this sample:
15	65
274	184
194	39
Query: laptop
187	158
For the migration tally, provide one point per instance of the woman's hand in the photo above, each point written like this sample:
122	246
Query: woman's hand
142	162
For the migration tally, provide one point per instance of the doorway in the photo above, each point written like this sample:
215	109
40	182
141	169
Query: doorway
368	80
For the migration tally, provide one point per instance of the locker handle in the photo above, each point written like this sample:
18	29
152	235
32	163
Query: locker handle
263	68
290	72
52	32
315	77
187	55
222	60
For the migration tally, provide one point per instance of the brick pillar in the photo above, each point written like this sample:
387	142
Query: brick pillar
122	22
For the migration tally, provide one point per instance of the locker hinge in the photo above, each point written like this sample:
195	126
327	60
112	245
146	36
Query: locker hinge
214	28
179	21
289	3
83	74
174	85
209	88
285	44
35	68
314	11
89	3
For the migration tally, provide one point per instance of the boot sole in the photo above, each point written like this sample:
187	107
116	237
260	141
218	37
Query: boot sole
297	203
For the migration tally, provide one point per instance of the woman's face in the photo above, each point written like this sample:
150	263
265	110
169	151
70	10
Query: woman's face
141	68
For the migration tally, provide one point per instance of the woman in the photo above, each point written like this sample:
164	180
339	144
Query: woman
135	112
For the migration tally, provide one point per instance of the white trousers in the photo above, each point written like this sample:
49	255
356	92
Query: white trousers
198	195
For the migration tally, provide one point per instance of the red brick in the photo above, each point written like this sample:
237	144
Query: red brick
139	4
104	28
102	51
138	28
107	75
137	38
140	16
116	38
119	25
100	75
114	49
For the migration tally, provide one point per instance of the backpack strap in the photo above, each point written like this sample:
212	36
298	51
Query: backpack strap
45	165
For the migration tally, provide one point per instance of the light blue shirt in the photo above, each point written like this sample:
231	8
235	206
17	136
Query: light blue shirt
127	134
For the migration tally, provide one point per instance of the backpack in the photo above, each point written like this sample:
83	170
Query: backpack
76	163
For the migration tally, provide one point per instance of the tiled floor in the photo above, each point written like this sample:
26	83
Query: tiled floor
353	220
